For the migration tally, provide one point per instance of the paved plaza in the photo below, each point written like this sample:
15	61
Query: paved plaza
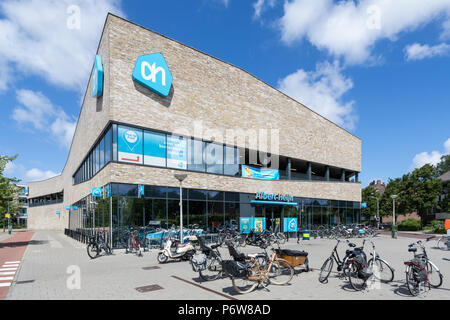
55	266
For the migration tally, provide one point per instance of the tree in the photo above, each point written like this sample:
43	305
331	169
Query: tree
443	166
393	187
421	190
8	189
370	195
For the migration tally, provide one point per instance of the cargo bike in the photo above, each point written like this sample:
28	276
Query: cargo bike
296	258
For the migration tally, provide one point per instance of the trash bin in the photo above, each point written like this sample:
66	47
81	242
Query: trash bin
305	234
394	232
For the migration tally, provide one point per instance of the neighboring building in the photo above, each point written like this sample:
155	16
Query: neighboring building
127	137
380	187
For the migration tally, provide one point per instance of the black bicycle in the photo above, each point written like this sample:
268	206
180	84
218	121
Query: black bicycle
212	267
96	245
421	272
342	265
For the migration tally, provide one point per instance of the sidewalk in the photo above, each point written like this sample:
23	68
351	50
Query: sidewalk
11	252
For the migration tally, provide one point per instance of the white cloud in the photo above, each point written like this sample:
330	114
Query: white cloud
350	29
37	174
37	110
322	91
417	51
10	168
50	39
260	5
432	158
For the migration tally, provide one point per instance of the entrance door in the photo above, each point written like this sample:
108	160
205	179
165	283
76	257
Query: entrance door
274	218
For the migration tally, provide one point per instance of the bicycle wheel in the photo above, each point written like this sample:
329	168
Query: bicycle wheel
326	270
281	238
382	270
281	272
353	273
415	286
434	276
243	285
213	270
442	243
92	250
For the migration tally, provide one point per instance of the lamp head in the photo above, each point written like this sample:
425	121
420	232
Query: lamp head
180	176
394	196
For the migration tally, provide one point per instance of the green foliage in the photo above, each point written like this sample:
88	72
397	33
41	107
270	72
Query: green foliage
443	166
370	195
417	191
409	225
8	189
437	226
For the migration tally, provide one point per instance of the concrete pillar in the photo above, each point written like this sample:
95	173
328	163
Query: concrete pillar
327	173
308	172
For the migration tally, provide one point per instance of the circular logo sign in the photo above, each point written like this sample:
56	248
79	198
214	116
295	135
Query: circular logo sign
131	136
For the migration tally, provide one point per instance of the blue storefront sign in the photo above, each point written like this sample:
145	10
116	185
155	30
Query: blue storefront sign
97	192
151	71
140	191
57	212
176	152
155	149
75	208
260	173
68	208
130	145
97	77
290	225
364	205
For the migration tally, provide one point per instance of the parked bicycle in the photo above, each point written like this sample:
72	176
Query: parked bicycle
421	272
134	244
444	243
380	267
246	276
208	264
96	245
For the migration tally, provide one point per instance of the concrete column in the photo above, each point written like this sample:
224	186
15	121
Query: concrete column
343	175
327	173
308	172
288	168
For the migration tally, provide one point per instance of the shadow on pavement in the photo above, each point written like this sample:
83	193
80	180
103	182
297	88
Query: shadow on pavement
22	243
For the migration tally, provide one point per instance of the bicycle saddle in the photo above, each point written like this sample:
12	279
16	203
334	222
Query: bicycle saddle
256	255
412	249
214	246
351	244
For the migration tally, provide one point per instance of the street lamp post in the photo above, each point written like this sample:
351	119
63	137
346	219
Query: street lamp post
181	177
378	211
394	196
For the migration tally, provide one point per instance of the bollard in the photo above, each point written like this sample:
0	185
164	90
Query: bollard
305	234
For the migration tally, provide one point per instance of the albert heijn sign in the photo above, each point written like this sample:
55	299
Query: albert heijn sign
151	71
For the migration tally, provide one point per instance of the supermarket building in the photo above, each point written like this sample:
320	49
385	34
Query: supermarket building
155	107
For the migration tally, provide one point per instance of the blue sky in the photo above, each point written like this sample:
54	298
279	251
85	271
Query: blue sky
379	70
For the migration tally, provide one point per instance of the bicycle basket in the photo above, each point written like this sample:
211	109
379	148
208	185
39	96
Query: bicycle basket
198	262
419	269
235	269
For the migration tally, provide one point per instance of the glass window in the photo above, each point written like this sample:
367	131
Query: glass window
114	142
176	152
101	151
195	194
174	193
108	146
173	213
232	215
214	158
196	151
129	190
215	217
155	148
232	196
215	195
231	161
155	192
197	214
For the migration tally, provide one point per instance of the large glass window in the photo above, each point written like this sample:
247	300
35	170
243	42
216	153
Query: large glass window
231	161
214	158
155	148
196	151
102	153
108	146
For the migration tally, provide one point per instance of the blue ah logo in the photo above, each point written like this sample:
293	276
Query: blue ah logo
151	71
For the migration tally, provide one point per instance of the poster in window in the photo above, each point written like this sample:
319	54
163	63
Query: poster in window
176	152
155	149
130	145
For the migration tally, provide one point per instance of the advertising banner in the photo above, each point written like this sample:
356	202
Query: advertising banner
245	224
155	149
68	208
259	224
260	173
176	152
130	145
290	225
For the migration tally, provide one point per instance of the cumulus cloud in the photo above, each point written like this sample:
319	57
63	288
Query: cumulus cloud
37	174
350	29
433	158
53	39
417	51
321	90
37	110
